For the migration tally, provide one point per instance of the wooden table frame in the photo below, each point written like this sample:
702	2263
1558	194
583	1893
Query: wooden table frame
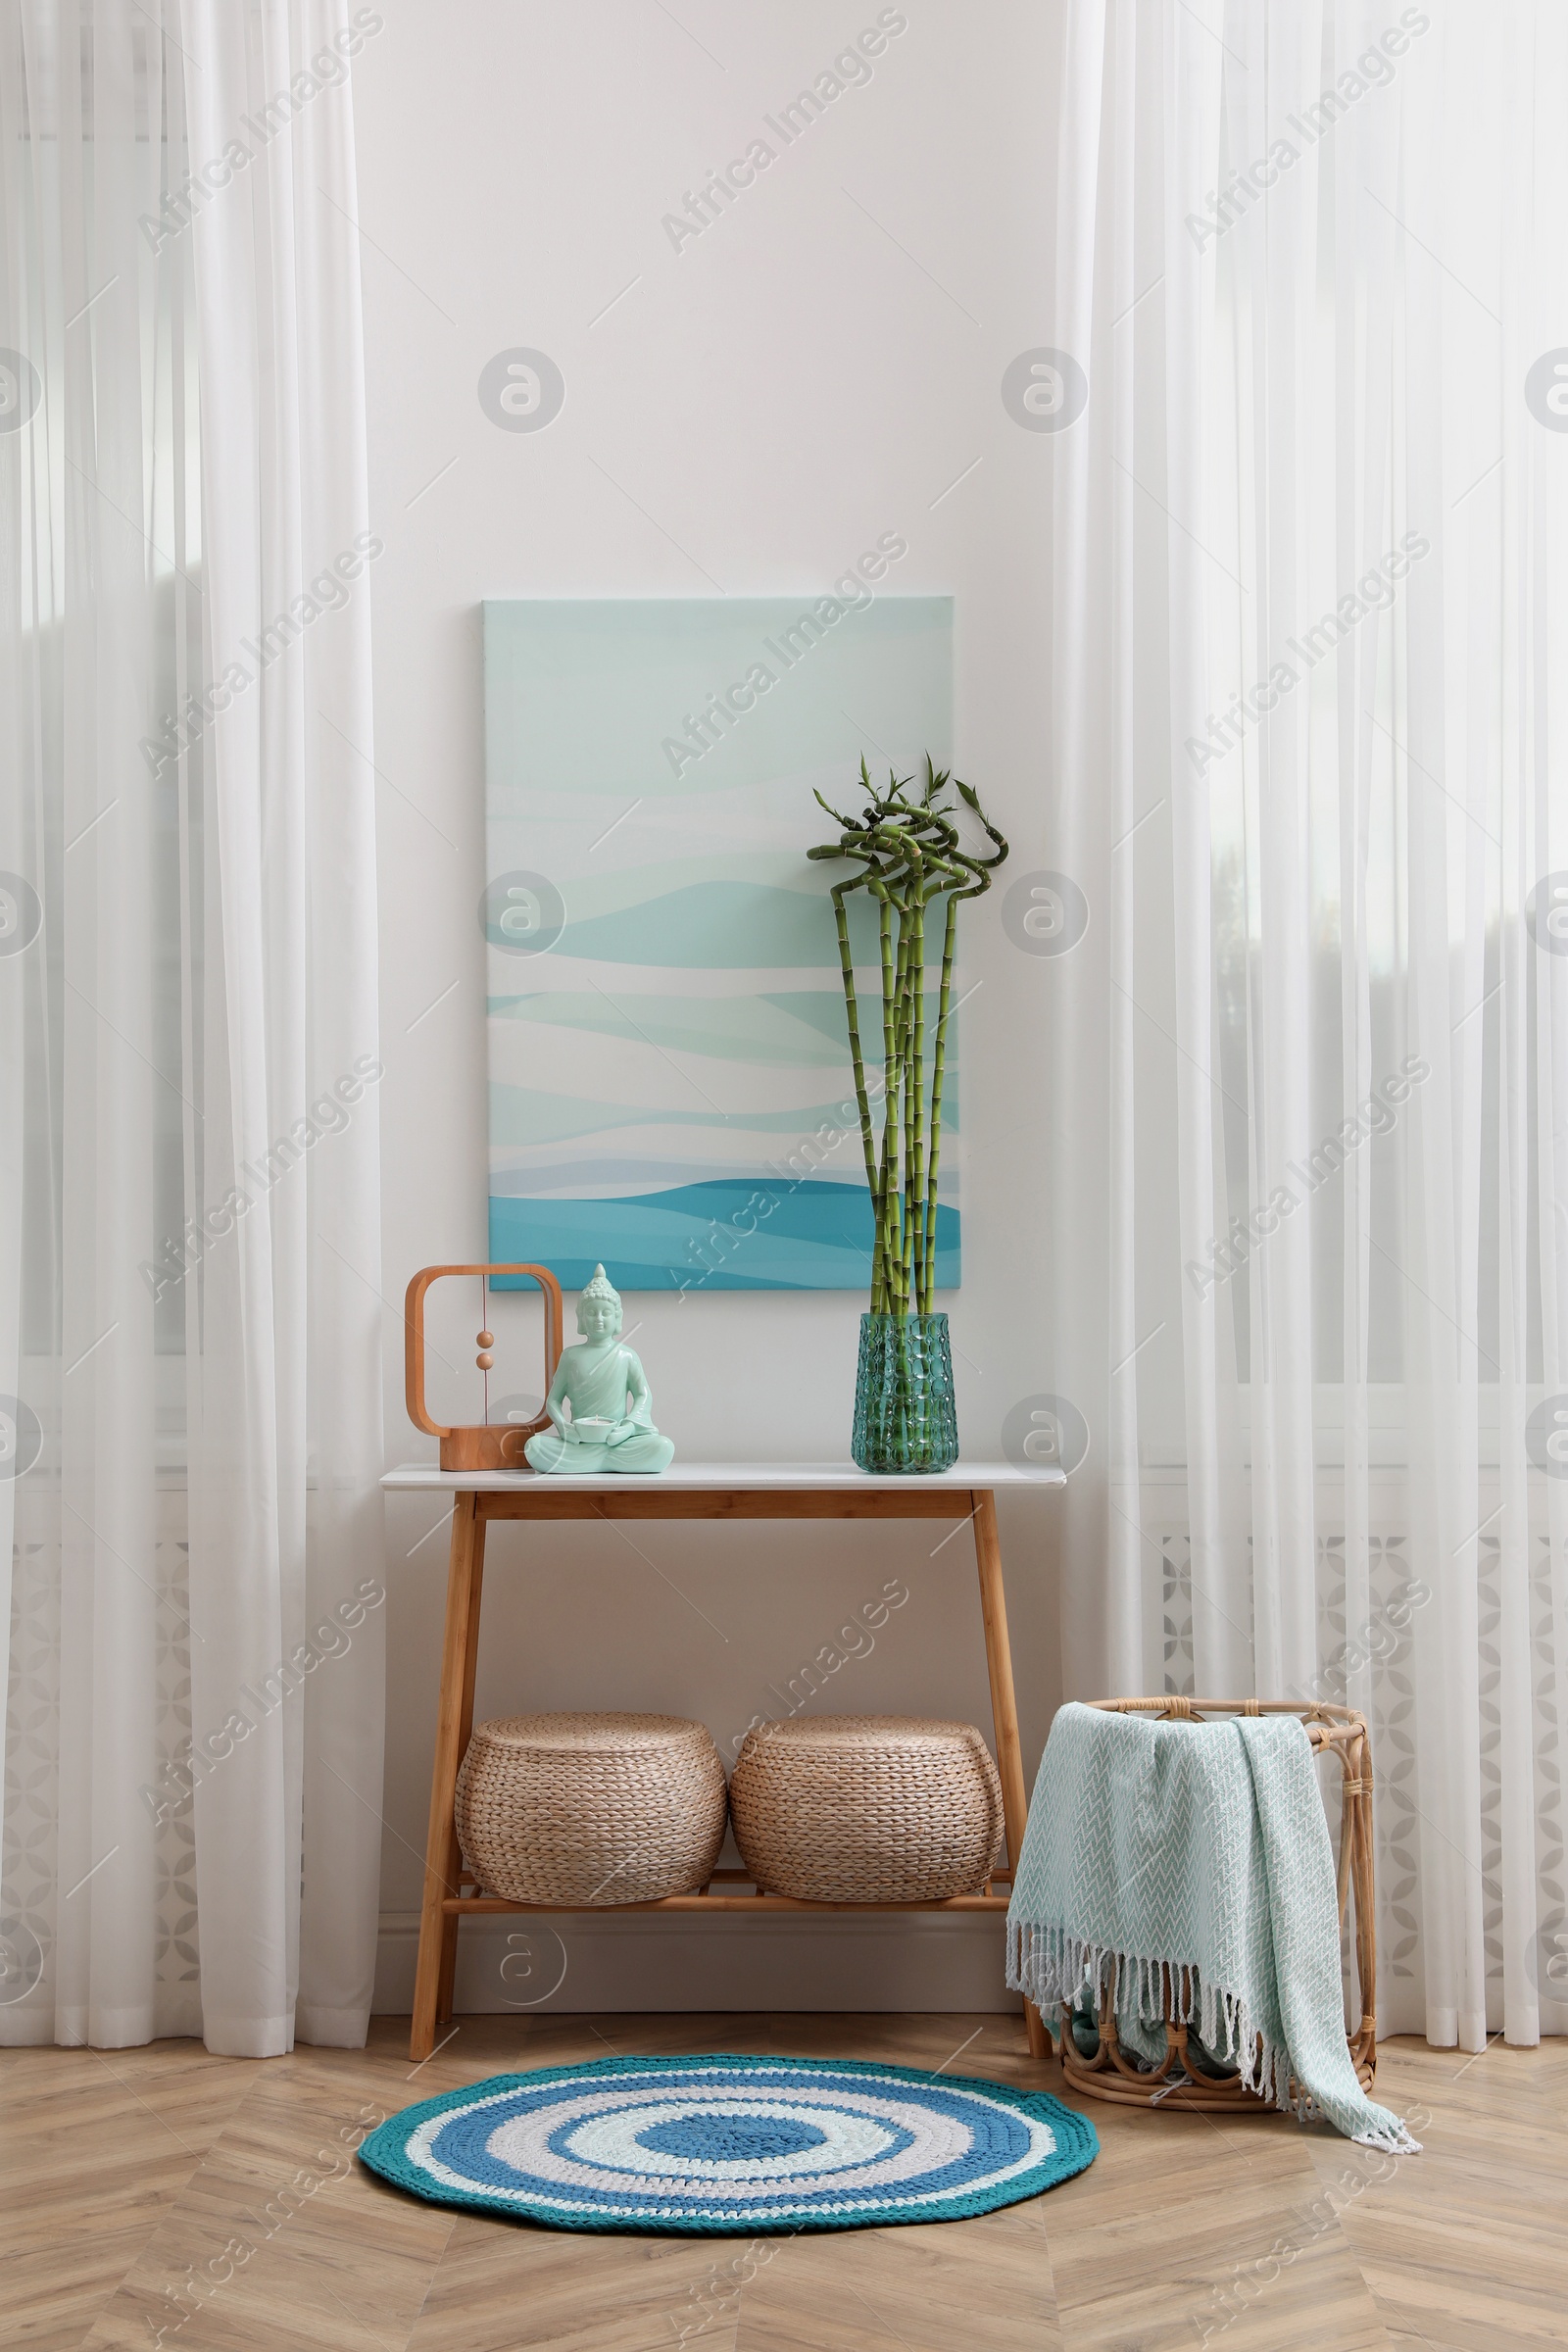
449	1895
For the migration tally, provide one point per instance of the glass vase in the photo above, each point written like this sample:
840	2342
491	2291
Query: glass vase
905	1417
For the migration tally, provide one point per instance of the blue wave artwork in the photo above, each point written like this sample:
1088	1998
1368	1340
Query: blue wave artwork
670	1083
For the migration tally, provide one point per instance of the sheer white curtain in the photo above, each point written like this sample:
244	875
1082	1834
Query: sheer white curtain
189	1240
1310	649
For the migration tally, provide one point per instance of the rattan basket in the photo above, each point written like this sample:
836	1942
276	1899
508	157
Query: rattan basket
590	1809
867	1808
1092	2057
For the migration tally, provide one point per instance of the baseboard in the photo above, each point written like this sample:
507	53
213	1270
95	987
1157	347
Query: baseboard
597	1962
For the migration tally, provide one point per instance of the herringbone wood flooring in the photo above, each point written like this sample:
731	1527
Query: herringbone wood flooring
126	2176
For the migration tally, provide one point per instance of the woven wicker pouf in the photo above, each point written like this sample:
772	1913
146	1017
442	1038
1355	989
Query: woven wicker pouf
867	1808
590	1809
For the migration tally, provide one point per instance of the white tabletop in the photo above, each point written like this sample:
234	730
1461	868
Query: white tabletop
709	1477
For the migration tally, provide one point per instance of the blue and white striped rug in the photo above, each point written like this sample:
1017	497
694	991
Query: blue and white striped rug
732	2146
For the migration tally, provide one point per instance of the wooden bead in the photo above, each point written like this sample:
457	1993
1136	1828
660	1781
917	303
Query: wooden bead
484	1339
484	1359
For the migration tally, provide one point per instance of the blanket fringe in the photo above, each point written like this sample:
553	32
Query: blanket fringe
1050	1967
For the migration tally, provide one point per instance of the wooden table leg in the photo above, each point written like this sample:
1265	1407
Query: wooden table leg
438	1930
1004	1710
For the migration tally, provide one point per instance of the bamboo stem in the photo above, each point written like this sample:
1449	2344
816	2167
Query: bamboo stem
939	1059
916	1221
847	961
887	1189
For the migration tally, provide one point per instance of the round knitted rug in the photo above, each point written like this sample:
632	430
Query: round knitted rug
732	2146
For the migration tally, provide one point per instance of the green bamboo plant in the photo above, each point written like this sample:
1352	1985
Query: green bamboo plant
906	847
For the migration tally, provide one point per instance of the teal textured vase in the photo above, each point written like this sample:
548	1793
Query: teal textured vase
905	1417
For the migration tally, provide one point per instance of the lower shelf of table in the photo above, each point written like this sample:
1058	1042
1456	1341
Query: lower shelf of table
719	1895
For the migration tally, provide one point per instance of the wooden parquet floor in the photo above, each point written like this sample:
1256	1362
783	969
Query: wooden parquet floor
128	2175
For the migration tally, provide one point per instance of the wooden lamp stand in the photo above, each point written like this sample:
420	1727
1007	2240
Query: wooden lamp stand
479	1445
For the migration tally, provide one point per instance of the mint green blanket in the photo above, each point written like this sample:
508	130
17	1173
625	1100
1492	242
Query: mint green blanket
1200	1847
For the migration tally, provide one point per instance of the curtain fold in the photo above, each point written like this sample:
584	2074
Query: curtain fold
1305	686
189	1232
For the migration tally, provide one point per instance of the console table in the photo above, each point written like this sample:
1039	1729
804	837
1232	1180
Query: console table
691	1491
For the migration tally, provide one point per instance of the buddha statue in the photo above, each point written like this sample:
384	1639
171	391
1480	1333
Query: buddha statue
600	1384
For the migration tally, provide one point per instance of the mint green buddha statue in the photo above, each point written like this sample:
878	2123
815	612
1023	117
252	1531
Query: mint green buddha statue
601	1382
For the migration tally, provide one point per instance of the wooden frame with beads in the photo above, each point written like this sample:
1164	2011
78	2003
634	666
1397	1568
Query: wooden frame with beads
477	1445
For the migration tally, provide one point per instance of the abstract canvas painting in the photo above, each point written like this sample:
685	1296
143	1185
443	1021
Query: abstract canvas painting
670	1083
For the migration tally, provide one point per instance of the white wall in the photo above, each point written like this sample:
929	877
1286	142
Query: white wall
817	367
